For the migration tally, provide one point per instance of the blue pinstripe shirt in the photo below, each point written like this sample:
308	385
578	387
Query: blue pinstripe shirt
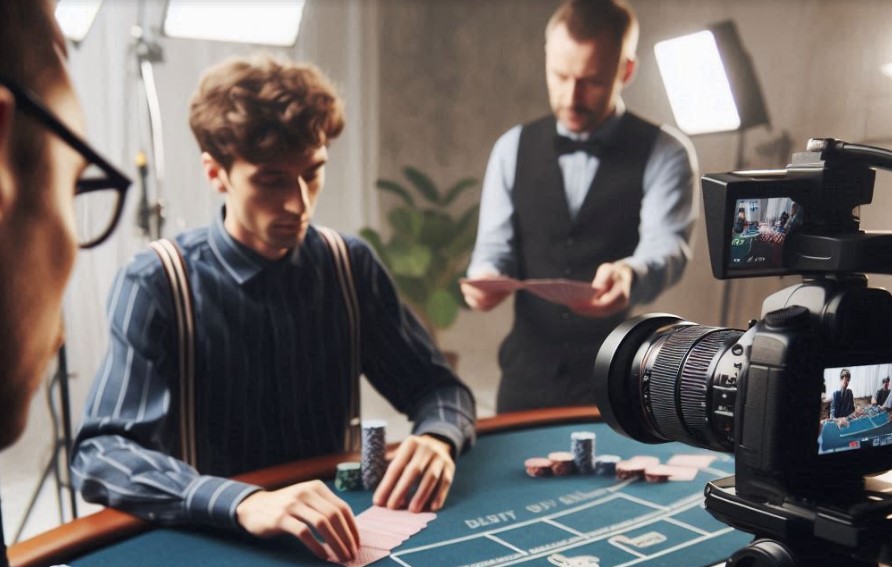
272	374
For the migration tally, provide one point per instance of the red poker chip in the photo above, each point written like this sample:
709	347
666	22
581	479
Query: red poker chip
538	466
657	473
629	469
562	463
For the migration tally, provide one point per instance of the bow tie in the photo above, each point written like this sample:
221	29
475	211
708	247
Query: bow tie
565	145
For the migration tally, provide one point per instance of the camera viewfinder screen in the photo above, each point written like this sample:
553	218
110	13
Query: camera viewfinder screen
758	231
856	412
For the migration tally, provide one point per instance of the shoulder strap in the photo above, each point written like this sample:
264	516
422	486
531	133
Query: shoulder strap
341	260
175	268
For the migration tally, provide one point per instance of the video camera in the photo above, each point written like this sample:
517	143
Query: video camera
773	394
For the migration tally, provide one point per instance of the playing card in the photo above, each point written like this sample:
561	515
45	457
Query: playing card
565	292
680	474
695	461
645	460
493	285
365	556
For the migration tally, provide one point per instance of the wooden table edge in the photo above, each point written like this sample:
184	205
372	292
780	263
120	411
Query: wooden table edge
108	526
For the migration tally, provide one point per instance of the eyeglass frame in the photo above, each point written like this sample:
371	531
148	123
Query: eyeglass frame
29	103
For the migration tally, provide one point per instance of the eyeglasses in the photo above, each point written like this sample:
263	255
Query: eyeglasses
102	188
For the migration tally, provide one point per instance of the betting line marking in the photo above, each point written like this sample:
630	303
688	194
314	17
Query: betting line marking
674	548
506	544
611	495
660	513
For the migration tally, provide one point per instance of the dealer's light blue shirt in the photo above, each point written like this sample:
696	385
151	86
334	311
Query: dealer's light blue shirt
667	208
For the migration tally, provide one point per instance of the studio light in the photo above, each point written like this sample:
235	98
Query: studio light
76	16
710	81
267	22
887	69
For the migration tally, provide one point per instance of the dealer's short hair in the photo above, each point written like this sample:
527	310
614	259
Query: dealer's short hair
263	109
594	19
844	373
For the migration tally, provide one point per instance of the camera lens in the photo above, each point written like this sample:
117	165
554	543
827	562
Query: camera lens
660	378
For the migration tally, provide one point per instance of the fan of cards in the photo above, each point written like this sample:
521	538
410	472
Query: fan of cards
382	529
564	292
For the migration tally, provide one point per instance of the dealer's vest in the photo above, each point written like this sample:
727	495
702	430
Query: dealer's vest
547	358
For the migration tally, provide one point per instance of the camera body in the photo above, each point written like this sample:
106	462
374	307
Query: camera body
791	395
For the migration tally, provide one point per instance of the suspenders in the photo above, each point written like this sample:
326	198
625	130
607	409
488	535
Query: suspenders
341	258
175	269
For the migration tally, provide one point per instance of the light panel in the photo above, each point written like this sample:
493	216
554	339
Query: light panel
265	22
697	84
75	17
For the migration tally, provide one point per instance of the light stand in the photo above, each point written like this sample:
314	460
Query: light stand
150	215
60	444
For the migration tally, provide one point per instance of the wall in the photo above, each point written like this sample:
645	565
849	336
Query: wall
455	74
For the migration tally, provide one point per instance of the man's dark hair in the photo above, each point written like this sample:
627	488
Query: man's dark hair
596	19
263	109
844	373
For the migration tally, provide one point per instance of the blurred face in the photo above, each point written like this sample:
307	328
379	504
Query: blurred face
844	382
269	205
584	78
37	251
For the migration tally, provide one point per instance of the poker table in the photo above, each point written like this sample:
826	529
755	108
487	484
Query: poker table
495	514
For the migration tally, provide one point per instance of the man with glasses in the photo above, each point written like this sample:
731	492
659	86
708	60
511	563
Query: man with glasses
273	350
42	158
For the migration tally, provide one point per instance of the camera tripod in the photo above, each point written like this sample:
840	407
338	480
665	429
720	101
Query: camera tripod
857	533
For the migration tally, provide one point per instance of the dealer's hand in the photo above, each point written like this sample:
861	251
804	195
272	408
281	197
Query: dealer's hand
483	300
423	460
613	286
299	510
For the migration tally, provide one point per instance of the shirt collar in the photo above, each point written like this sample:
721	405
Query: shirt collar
239	261
603	132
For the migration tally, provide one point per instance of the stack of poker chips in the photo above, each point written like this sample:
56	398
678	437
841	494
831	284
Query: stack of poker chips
373	453
583	448
605	465
348	476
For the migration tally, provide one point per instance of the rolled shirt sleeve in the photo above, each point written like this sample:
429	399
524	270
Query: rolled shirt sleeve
121	453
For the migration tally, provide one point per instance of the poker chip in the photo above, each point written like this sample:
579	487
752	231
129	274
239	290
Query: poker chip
605	465
348	476
629	469
562	463
582	444
538	466
374	462
657	473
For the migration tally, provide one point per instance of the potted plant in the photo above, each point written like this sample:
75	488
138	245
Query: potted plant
429	246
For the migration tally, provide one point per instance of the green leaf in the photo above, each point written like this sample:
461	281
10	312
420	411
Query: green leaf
396	189
464	236
441	308
413	290
408	258
458	189
437	229
406	222
422	183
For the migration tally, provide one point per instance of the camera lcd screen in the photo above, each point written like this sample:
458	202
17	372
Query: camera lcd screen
758	230
856	412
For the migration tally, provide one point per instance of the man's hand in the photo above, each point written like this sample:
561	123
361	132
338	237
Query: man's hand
299	510
613	285
423	460
483	300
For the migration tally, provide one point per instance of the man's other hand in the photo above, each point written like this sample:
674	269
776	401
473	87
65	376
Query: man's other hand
613	287
421	460
299	510
481	300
